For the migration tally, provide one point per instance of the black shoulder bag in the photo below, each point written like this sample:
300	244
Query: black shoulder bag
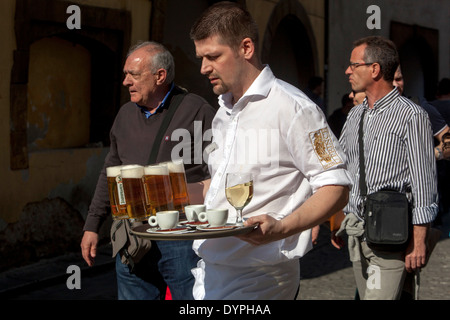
387	213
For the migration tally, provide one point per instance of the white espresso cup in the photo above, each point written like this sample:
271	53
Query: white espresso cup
164	219
215	217
193	210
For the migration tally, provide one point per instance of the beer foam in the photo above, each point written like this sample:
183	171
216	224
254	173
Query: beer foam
158	170
176	166
132	171
113	171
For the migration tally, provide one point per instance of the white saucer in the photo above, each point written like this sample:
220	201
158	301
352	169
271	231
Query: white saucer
169	231
194	224
210	228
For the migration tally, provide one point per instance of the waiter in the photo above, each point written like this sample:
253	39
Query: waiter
271	129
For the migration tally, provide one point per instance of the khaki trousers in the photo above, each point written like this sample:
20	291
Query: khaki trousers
379	275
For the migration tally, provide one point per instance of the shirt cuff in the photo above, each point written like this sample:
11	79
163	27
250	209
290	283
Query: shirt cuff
93	223
338	177
424	215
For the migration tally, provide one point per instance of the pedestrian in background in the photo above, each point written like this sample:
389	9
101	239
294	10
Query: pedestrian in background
398	155
149	76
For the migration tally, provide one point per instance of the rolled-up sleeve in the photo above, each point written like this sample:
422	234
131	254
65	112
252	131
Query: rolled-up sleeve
422	165
316	151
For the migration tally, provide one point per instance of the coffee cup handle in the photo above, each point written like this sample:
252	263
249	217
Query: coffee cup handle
202	217
153	221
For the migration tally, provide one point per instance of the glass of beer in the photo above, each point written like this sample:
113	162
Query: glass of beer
116	193
179	184
239	192
158	189
133	186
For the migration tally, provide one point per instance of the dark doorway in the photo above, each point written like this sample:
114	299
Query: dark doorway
418	50
291	55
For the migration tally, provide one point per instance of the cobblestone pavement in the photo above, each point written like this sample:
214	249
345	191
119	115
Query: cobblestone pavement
326	274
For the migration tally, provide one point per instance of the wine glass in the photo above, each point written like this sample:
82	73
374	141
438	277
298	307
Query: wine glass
239	192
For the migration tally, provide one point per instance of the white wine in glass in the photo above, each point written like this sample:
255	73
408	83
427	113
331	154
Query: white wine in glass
239	192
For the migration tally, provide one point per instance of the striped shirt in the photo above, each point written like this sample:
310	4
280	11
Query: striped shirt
398	152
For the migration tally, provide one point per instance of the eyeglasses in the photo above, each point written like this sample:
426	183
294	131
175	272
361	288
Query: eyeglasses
355	65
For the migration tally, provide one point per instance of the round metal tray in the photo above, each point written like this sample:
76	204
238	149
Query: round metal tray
141	231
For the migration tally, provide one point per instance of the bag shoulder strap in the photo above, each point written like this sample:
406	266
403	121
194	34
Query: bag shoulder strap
362	168
173	106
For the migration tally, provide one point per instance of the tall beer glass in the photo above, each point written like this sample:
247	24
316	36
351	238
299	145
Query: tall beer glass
179	184
158	189
116	193
133	186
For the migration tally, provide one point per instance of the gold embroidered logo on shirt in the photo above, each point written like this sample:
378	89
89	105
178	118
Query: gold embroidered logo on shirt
324	148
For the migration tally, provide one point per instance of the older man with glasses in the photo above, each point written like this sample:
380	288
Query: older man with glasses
398	155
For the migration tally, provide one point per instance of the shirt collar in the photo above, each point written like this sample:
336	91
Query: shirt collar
260	87
147	113
384	102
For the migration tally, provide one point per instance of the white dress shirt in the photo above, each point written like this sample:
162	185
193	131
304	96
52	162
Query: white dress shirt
280	136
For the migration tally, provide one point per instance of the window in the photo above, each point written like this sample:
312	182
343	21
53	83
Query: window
98	48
